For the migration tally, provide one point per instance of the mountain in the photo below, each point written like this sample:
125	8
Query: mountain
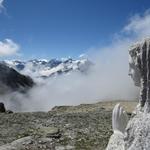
46	68
12	80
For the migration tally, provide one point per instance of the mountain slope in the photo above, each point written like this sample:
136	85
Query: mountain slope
10	79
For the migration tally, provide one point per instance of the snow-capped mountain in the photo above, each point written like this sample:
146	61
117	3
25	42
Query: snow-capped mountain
46	68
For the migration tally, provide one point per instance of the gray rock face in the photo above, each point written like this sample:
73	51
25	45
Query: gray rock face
116	142
139	69
137	136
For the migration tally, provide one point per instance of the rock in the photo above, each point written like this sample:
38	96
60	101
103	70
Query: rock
49	132
2	108
116	142
137	132
139	70
9	111
17	144
137	135
68	147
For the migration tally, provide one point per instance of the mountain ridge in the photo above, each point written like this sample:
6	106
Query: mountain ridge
47	68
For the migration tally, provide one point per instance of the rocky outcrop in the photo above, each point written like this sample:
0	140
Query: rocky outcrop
140	70
138	129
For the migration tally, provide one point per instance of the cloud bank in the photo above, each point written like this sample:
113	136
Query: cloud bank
8	48
107	80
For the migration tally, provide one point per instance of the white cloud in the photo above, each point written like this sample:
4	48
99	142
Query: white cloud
8	47
1	6
139	25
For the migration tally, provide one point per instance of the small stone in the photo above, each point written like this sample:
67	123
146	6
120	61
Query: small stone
9	111
40	142
50	132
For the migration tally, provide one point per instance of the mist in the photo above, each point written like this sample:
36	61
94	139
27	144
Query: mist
106	80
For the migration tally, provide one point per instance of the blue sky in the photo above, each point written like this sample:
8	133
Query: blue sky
62	28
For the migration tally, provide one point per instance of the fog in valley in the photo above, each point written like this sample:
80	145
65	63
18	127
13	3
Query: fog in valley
107	79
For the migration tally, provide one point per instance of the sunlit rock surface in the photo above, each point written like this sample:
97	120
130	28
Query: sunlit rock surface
137	136
139	70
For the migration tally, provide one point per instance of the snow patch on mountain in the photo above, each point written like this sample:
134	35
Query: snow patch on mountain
38	68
